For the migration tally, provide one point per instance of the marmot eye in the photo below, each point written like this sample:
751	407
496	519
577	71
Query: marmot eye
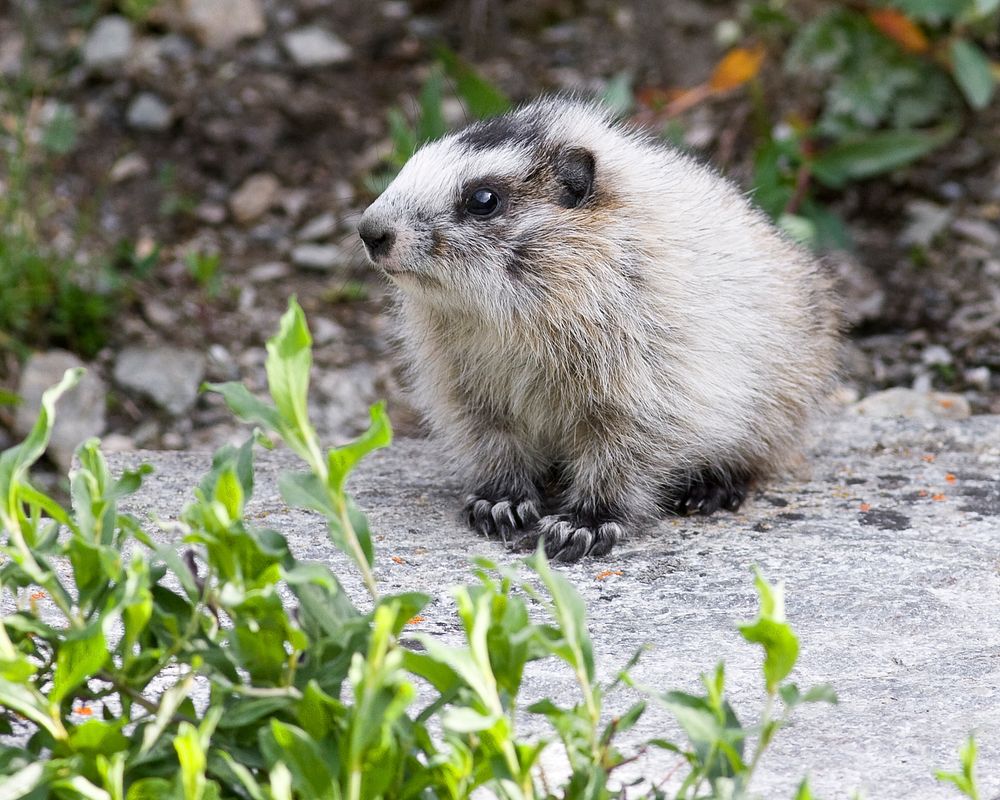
483	203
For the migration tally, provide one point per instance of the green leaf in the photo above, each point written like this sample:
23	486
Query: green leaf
877	153
972	72
570	611
341	460
150	789
804	792
245	406
60	133
964	781
78	660
307	762
305	490
781	647
822	693
97	736
617	95
481	98
23	782
431	124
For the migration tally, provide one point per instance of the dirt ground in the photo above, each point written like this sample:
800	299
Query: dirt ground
922	284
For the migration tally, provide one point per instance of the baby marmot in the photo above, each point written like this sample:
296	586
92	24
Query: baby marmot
600	329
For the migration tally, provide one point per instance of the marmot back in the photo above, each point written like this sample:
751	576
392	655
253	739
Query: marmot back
599	328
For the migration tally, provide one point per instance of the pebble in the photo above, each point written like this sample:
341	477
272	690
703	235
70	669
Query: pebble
313	46
927	220
270	271
325	330
979	231
147	112
169	376
254	197
210	213
979	377
108	43
320	227
320	257
219	24
130	165
936	355
903	402
80	412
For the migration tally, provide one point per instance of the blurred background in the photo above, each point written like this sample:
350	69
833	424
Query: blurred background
173	170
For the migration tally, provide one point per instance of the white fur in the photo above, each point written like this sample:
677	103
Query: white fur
666	329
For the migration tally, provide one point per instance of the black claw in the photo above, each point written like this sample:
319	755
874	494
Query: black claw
706	493
503	517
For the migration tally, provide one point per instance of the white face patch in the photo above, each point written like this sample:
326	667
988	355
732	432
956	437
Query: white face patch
432	181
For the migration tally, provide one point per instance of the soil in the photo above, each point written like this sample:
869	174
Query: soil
248	109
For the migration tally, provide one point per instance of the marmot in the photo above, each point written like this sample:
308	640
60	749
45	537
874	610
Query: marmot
601	329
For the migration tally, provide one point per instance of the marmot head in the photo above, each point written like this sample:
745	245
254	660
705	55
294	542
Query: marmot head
497	213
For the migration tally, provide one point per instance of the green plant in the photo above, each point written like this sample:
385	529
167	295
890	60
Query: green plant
203	267
479	97
879	86
49	297
964	781
130	670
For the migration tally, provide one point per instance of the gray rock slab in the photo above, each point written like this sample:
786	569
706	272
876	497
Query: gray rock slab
108	42
81	412
890	554
169	376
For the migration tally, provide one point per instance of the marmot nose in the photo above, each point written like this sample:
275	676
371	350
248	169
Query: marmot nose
378	238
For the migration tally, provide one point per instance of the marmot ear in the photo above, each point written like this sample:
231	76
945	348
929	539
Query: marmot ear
574	168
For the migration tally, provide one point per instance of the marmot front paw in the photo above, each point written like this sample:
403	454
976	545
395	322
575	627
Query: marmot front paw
502	517
707	493
569	539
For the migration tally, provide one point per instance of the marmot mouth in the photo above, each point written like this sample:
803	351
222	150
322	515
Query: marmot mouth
420	277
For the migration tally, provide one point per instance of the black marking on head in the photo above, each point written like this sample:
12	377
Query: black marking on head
575	169
512	129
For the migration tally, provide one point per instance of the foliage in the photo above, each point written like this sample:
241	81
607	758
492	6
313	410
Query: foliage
964	781
234	670
889	83
49	297
203	267
479	99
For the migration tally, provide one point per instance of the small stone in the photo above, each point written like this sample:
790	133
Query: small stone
108	43
221	364
210	213
325	331
313	46
860	288
147	112
131	165
160	315
270	271
927	220
320	257
979	377
80	412
936	356
220	24
169	376
117	443
347	394
979	231
320	227
903	402
254	198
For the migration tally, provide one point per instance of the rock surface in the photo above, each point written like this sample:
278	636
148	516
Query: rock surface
81	412
108	42
169	376
313	46
222	23
147	112
889	554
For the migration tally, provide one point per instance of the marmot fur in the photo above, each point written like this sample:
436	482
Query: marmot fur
600	329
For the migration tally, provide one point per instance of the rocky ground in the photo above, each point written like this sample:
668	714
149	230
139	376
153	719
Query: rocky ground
246	128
